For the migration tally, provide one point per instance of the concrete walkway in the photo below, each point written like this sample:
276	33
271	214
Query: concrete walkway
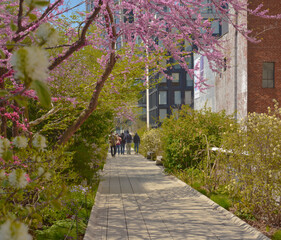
136	200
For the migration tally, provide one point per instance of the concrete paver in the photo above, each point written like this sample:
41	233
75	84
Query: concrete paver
136	200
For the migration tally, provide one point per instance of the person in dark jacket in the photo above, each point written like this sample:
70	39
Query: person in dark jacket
129	139
136	143
112	141
123	142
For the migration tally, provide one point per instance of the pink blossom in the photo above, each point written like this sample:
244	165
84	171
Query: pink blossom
27	178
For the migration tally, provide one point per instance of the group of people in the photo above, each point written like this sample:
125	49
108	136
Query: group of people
118	143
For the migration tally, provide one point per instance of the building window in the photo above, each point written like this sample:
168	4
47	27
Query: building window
175	64
187	46
162	114
162	78
224	27
188	98
209	7
153	99
177	97
268	75
224	64
216	27
189	81
189	61
176	77
153	117
162	97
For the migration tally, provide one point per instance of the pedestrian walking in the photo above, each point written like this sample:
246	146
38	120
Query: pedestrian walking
123	142
112	141
129	139
118	144
136	143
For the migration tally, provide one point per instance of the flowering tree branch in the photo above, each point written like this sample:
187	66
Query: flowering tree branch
44	117
100	83
80	42
20	15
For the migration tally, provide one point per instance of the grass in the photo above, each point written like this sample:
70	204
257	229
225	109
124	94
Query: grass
277	235
221	200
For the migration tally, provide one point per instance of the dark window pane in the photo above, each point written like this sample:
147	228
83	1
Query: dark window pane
268	75
270	84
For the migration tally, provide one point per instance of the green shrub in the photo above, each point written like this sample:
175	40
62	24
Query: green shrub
61	229
277	235
188	137
60	222
252	169
90	145
151	142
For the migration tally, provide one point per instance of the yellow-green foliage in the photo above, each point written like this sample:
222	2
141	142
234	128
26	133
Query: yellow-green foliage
188	137
253	168
151	142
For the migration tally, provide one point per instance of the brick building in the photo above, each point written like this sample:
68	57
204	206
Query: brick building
264	60
253	78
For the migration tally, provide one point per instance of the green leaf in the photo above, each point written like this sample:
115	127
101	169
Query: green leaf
10	45
2	54
21	101
8	155
56	204
3	93
43	92
41	3
13	27
32	16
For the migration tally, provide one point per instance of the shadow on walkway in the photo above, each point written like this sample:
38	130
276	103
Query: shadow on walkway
136	200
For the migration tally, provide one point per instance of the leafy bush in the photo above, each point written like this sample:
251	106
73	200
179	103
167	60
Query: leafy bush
90	145
189	136
151	142
71	217
277	235
252	169
61	229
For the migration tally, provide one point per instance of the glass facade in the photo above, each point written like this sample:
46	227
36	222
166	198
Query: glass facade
162	114
268	75
176	77
163	97
177	97
188	97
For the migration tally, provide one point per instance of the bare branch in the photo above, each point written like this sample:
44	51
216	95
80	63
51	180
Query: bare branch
94	100
270	27
20	16
13	95
81	41
59	46
44	117
48	10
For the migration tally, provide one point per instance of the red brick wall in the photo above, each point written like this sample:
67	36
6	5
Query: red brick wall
268	50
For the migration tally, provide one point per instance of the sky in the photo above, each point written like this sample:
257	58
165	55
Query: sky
72	3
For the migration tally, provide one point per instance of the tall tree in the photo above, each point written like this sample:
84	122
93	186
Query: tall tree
27	30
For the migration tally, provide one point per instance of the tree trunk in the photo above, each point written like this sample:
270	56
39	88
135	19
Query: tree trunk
92	105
